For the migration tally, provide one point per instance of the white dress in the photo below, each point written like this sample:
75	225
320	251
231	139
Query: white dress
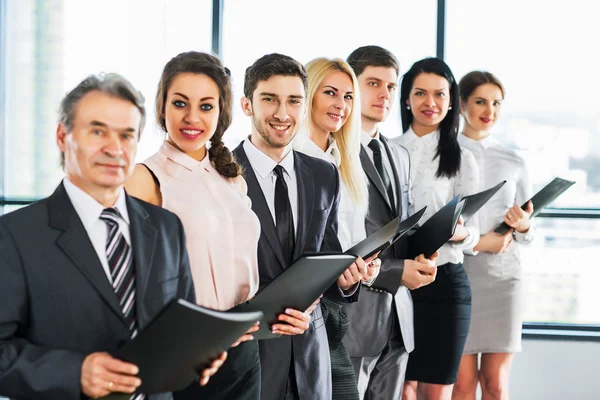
496	282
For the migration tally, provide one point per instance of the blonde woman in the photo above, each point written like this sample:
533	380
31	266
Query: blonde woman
331	131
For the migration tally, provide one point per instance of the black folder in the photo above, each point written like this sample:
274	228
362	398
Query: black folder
542	199
182	339
386	236
436	231
474	202
297	287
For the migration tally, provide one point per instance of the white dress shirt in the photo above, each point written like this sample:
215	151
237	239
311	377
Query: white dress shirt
351	219
365	139
497	163
89	211
433	192
264	169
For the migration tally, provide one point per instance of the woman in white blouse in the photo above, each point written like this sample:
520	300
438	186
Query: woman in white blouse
331	131
495	272
440	170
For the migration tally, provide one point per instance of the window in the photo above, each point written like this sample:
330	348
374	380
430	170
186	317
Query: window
550	117
50	46
316	28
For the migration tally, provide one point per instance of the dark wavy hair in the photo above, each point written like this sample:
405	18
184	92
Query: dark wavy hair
448	149
209	65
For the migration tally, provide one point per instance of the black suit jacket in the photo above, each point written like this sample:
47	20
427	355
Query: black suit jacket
58	306
371	318
318	201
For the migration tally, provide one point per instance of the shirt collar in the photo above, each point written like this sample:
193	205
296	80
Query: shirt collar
430	140
471	144
88	208
365	138
179	157
304	144
262	164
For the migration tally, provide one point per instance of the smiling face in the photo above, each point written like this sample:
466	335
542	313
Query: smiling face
429	100
332	102
277	108
100	148
192	113
482	108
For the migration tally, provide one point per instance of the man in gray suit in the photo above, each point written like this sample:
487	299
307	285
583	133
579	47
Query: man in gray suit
381	323
88	267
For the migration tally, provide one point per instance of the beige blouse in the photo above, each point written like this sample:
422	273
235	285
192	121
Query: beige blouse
221	229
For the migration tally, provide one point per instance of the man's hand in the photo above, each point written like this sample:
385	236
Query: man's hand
419	272
518	219
460	233
101	374
312	307
494	242
248	335
214	367
355	273
297	323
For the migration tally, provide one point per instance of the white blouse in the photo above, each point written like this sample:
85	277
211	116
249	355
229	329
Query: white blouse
351	219
497	163
433	192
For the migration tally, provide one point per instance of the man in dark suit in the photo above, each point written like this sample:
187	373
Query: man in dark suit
381	323
88	267
296	198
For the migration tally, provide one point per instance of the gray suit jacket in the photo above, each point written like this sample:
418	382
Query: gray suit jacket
371	318
318	200
58	306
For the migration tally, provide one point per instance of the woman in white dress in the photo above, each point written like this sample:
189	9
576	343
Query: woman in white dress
495	272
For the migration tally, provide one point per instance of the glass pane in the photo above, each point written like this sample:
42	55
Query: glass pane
52	45
329	29
550	113
560	274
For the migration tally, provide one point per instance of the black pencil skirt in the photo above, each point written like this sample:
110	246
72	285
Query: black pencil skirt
442	315
237	379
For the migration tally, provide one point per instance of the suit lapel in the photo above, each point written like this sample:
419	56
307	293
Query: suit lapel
395	174
306	196
76	244
373	175
143	241
259	205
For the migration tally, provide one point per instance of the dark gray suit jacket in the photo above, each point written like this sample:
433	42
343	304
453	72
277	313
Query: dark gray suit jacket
318	201
57	304
371	318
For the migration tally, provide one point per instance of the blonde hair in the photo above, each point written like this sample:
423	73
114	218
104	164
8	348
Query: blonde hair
348	137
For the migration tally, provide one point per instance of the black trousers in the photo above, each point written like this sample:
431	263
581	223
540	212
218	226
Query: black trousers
237	379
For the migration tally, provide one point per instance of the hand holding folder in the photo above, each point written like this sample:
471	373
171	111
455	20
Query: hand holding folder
542	199
296	288
436	231
182	339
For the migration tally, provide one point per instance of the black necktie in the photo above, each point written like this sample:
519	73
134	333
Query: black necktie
375	145
283	215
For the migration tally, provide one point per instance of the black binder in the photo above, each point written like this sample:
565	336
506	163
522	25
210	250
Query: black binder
297	287
182	339
436	231
386	236
542	199
474	202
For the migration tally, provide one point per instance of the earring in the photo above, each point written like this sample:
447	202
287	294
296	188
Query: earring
450	108
408	107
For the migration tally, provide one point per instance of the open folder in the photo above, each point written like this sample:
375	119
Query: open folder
436	231
474	202
297	287
182	339
386	236
542	199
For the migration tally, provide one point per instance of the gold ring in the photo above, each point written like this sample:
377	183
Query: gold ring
110	385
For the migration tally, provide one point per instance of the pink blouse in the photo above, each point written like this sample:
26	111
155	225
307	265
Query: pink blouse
221	229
